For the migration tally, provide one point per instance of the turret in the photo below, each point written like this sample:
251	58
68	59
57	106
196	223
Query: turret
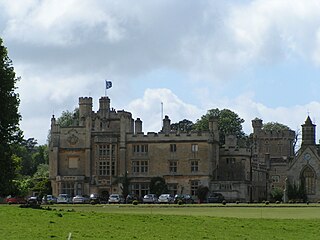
138	126
166	125
85	109
308	133
104	106
257	125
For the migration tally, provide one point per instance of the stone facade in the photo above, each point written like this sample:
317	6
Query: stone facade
90	156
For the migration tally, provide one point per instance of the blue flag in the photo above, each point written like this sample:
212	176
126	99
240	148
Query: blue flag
108	84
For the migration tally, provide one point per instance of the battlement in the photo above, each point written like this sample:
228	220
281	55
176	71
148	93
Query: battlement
172	136
277	134
85	100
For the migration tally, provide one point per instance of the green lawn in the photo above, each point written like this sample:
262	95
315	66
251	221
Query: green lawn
153	222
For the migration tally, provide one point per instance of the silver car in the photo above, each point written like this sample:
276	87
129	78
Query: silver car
116	198
150	198
63	198
166	198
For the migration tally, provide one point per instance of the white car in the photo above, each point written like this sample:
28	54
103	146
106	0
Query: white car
63	198
80	199
166	198
116	198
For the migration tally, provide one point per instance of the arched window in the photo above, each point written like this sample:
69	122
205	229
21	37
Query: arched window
308	178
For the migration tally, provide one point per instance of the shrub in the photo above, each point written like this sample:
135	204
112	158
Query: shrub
224	202
267	202
180	202
277	202
135	202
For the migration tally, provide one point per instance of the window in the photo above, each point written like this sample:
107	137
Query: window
173	166
173	147
140	149
102	168
194	148
106	165
308	177
230	160
194	184
135	166
67	187
140	189
73	162
194	166
139	166
144	166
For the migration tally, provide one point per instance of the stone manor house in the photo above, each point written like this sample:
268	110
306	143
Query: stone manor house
102	146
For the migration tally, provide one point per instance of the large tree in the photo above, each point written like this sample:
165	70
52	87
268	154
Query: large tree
229	123
9	120
184	125
274	126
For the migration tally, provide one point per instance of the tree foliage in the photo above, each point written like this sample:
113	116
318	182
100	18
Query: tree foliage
183	126
69	118
9	120
202	193
229	123
274	126
158	186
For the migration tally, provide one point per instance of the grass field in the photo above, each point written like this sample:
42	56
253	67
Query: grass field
154	222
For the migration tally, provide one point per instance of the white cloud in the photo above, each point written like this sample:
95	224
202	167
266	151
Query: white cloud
148	109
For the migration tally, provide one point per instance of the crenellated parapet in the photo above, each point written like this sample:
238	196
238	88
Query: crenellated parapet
170	137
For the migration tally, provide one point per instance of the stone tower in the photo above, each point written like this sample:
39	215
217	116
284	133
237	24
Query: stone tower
308	133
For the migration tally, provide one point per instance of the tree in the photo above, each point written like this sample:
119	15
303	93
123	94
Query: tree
68	118
158	186
9	120
183	126
125	182
276	194
274	126
202	192
229	123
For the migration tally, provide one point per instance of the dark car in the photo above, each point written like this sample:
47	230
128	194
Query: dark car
215	198
34	200
183	198
131	197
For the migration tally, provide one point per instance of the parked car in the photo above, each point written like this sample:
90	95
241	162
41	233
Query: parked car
80	199
34	200
166	198
49	199
63	198
150	198
15	200
116	198
94	198
184	198
131	197
215	198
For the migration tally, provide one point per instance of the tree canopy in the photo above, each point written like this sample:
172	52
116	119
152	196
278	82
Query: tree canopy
274	126
229	123
9	120
183	126
69	118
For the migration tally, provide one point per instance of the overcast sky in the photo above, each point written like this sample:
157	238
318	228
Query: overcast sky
258	58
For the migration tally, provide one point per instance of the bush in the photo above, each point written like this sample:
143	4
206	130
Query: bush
135	202
237	202
277	202
267	202
224	202
180	202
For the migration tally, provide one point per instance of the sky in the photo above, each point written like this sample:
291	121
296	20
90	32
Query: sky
258	58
